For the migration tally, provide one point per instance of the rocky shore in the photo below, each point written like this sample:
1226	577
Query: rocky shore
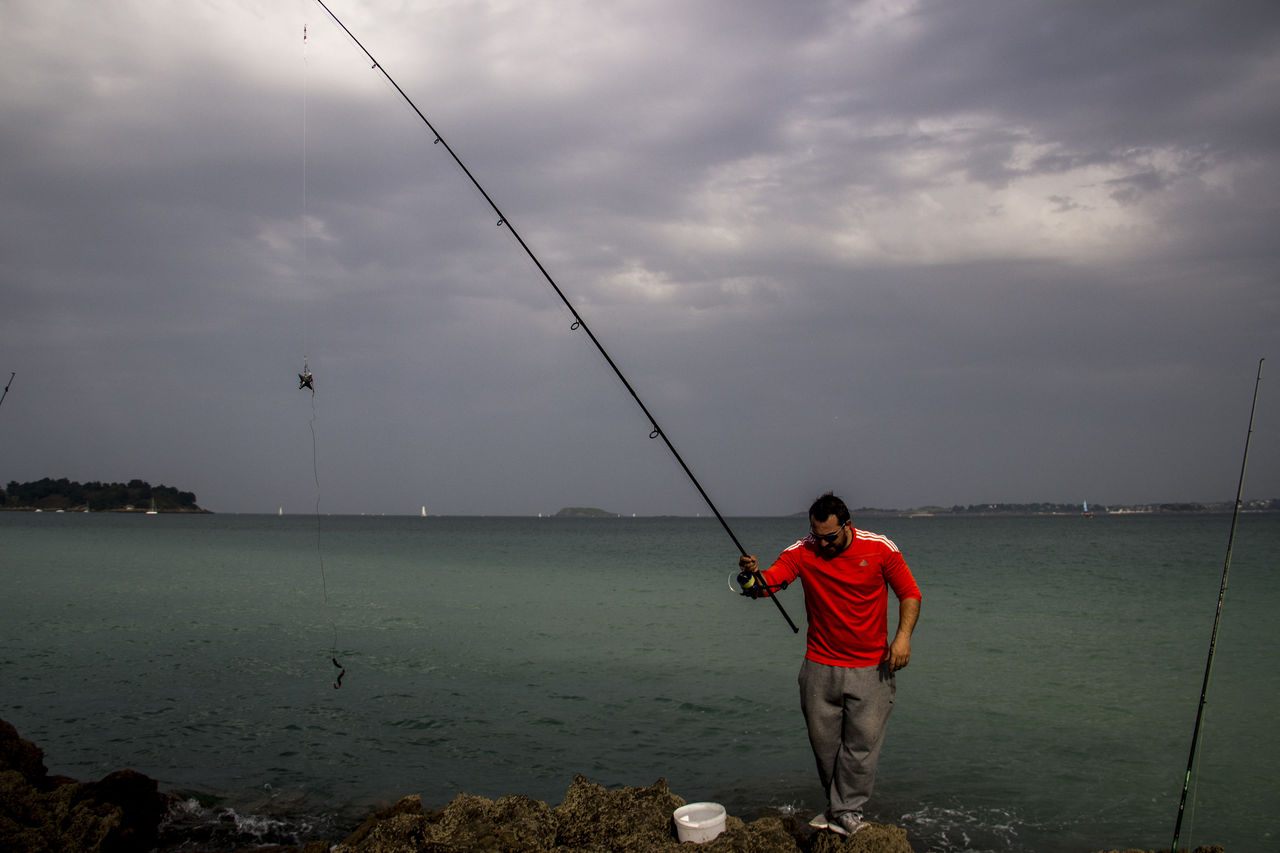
124	813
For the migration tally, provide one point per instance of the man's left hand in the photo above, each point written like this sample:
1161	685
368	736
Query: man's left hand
899	653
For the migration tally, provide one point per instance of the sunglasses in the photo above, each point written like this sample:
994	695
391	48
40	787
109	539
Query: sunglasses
827	538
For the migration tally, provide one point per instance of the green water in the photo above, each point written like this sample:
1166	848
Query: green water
1048	706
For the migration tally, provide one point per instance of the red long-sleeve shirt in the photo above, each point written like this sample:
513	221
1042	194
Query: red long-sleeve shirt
846	599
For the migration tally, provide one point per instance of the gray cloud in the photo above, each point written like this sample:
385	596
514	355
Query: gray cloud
918	253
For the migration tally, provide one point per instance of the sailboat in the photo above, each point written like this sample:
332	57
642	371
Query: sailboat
424	512
152	511
1087	513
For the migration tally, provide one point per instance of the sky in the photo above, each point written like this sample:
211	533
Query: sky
916	253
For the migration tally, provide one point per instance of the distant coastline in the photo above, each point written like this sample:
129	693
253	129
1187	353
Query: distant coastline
138	496
1013	510
1072	510
124	510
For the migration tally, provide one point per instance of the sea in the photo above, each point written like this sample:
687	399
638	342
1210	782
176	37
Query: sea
1049	706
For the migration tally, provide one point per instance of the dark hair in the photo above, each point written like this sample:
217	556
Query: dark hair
827	506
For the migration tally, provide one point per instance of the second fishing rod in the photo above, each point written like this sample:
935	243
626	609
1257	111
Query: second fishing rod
578	321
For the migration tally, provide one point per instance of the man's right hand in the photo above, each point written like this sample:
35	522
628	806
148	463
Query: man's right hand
747	563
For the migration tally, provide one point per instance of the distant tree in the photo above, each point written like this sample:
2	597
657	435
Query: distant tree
167	497
139	493
66	494
53	500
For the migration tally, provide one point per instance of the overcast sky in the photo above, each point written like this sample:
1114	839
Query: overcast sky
917	253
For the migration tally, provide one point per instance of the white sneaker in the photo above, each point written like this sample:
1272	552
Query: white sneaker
848	823
819	821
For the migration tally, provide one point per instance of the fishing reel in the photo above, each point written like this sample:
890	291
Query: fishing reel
753	585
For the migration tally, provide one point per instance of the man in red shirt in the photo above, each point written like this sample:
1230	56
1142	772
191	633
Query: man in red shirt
847	682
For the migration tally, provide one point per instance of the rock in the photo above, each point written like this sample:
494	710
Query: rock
51	814
633	819
875	838
591	819
122	813
513	823
21	755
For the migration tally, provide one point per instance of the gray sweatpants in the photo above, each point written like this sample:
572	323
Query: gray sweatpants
847	711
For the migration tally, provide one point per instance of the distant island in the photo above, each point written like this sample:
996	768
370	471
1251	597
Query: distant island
64	495
585	512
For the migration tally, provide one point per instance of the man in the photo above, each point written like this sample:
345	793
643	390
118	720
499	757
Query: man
847	682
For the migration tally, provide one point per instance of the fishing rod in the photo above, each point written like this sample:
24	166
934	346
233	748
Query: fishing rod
1217	619
578	322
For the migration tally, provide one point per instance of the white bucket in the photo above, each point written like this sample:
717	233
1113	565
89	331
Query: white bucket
699	822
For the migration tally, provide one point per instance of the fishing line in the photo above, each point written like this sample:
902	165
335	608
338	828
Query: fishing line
6	387
1217	619
578	321
307	380
324	581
